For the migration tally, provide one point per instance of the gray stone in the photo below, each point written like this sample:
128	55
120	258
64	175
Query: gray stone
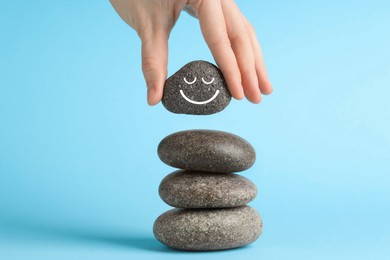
198	88
185	189
206	150
208	229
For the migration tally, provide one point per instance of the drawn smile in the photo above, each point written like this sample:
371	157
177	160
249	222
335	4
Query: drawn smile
199	102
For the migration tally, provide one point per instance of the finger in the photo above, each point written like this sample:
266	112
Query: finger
154	64
242	48
213	27
262	75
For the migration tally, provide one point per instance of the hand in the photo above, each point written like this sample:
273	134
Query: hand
229	35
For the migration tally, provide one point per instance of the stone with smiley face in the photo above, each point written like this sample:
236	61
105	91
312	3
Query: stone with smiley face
198	88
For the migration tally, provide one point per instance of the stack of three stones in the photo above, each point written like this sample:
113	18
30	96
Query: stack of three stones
209	199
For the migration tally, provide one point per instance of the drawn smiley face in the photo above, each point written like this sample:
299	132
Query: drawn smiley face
199	102
198	88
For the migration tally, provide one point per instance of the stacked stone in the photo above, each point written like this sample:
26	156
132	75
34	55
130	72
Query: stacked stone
210	200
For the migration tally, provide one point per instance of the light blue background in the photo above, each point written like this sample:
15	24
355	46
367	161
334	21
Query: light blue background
79	171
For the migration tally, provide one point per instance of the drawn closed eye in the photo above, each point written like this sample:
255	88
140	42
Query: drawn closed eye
208	82
189	83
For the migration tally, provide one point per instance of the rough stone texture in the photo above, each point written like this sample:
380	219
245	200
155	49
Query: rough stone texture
198	91
206	150
208	229
185	189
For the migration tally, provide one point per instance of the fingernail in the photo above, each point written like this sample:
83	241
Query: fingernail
150	94
241	94
270	89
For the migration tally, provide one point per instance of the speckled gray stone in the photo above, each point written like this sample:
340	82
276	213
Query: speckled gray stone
206	150
198	88
208	229
185	189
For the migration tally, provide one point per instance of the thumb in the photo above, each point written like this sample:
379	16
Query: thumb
154	64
